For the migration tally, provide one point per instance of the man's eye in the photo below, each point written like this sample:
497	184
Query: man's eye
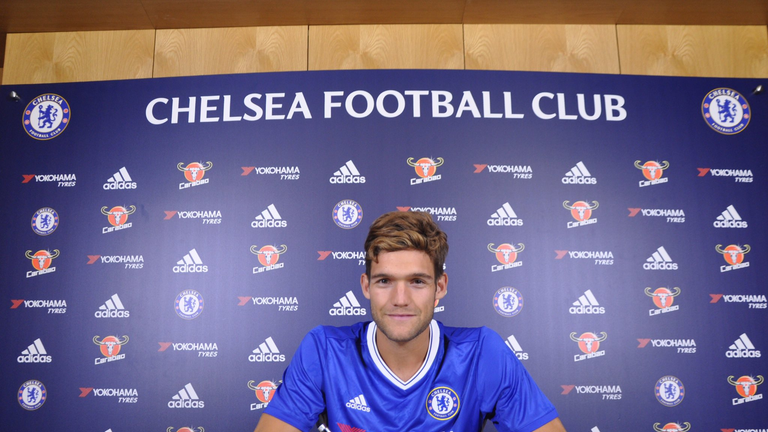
383	281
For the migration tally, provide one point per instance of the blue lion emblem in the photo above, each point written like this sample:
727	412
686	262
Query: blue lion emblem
727	110
47	116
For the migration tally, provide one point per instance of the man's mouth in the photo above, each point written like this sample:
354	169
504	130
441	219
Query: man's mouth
400	315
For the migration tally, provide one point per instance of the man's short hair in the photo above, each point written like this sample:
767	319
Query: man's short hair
398	231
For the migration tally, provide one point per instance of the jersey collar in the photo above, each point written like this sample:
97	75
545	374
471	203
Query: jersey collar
373	350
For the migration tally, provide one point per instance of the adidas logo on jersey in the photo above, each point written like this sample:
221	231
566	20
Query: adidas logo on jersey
267	352
348	173
269	218
579	174
112	308
347	305
586	305
186	398
742	348
191	263
660	260
120	180
505	216
730	218
35	353
359	404
516	348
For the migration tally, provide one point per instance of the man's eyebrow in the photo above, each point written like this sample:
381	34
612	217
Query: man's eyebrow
409	276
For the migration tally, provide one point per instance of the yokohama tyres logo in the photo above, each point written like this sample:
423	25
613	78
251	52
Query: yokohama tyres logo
738	175
607	392
63	180
517	171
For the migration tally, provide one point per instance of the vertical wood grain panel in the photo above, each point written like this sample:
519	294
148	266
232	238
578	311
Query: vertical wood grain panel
436	46
722	51
230	50
551	48
33	58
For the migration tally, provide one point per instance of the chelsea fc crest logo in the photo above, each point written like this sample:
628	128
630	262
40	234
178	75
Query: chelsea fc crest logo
32	395
508	301
442	403
347	214
726	111
669	391
189	304
46	116
45	221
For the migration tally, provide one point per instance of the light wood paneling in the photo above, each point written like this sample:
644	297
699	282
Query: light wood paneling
739	52
386	47
230	50
551	48
78	56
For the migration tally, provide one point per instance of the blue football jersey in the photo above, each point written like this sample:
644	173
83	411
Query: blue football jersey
469	376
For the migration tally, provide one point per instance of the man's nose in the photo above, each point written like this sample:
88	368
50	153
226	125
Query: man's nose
401	294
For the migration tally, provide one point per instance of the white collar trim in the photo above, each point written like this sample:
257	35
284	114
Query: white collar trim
373	350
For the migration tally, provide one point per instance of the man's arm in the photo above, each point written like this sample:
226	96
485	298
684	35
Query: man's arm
553	426
267	423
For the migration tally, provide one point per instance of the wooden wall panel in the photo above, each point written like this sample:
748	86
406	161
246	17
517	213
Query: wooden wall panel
645	50
436	46
230	50
551	48
78	56
721	51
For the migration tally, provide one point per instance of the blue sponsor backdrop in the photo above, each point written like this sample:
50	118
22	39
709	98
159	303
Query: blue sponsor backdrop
223	188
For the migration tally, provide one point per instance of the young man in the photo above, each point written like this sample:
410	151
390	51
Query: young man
404	371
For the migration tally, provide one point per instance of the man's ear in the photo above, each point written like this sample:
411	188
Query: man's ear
442	287
364	284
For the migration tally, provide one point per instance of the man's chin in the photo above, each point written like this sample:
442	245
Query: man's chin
400	338
401	334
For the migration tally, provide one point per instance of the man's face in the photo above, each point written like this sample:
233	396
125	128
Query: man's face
403	291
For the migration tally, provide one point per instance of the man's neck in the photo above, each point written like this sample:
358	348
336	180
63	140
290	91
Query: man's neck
404	359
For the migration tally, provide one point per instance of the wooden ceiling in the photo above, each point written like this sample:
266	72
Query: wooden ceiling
29	16
24	16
